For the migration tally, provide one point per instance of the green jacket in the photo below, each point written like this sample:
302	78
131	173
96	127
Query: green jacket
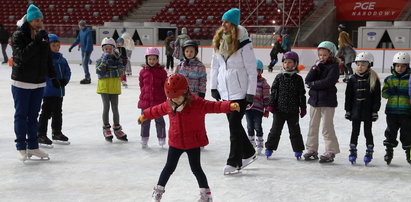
398	98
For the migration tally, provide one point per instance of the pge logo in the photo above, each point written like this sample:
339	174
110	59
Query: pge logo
365	5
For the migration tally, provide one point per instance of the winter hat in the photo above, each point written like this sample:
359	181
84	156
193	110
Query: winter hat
232	15
284	31
119	39
183	30
33	13
82	23
170	33
53	38
260	65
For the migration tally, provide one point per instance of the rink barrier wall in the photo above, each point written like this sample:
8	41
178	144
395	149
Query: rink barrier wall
382	57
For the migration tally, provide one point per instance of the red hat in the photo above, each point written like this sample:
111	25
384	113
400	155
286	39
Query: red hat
279	39
175	85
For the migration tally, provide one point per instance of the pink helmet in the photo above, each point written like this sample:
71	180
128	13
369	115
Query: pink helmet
152	51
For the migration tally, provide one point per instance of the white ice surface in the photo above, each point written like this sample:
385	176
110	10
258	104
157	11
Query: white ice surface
92	170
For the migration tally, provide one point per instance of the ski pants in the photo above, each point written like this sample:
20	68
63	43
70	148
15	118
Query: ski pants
240	146
397	122
110	99
330	139
254	119
296	138
160	127
51	108
27	104
356	126
195	165
170	62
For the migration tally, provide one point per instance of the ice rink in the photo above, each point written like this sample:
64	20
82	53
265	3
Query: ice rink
90	169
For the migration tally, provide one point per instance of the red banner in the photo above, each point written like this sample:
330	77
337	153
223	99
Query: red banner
369	9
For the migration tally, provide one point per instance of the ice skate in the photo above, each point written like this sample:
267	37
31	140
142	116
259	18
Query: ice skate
327	157
161	141
118	132
298	155
252	140
60	138
107	133
260	145
157	193
368	154
144	142
388	155
205	195
408	155
38	153
353	153
248	161
22	155
230	170
124	84
310	155
44	141
268	153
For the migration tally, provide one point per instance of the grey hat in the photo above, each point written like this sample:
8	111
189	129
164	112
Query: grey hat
82	23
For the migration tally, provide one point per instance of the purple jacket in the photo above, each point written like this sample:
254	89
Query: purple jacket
262	95
152	81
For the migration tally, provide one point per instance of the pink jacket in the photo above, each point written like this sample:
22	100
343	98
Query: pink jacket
152	81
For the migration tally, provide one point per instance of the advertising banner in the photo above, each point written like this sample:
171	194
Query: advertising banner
374	10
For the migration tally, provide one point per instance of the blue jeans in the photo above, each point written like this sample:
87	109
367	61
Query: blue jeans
27	103
254	120
85	61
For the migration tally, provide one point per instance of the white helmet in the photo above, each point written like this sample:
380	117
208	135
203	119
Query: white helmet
108	41
365	57
401	58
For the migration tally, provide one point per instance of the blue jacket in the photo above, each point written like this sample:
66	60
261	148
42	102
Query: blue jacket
62	70
85	39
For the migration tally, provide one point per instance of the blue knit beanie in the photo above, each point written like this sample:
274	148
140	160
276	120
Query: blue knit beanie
33	13
232	15
53	38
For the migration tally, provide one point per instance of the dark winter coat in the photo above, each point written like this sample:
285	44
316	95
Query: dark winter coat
85	38
63	72
123	55
321	80
276	49
4	36
288	93
167	43
359	100
31	59
152	81
187	128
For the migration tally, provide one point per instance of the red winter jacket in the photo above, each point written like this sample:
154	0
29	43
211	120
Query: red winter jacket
152	81
187	128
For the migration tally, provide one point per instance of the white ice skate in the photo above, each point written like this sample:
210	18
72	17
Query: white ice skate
144	142
230	170
260	145
22	155
38	153
248	161
161	141
158	193
205	195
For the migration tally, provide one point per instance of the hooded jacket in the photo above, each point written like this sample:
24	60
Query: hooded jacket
63	72
195	72
152	81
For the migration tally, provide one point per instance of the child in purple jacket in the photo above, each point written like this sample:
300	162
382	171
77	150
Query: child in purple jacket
255	112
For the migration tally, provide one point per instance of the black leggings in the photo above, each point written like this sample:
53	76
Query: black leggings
195	164
356	125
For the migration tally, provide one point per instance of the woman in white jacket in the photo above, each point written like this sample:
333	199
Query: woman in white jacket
233	77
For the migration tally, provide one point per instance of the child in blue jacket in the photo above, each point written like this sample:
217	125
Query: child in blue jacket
53	97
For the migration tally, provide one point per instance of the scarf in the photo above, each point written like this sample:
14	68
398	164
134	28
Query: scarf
224	45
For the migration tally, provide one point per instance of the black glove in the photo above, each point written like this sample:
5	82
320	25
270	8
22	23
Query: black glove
393	90
202	95
41	35
71	48
63	82
249	99
215	94
56	83
374	117
348	116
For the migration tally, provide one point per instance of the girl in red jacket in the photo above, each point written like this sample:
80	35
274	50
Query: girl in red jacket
152	78
183	107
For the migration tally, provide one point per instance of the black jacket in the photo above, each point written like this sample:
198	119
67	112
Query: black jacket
31	59
359	100
321	80
4	36
288	93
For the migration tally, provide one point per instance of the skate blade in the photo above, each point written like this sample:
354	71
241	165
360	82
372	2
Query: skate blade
47	146
30	158
232	173
252	160
61	142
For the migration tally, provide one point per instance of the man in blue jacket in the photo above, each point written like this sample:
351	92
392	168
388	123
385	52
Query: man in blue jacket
85	39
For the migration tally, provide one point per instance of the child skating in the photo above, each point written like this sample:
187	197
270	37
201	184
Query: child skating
398	108
254	112
287	103
109	69
122	52
362	103
274	53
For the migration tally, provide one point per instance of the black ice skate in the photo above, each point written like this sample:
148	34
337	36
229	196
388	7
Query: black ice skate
44	141
388	155
311	155
353	153
327	157
408	155
60	138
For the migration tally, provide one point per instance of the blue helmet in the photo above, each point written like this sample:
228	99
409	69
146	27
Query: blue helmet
53	38
260	65
329	46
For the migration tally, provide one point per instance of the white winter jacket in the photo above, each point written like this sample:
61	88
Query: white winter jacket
237	76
